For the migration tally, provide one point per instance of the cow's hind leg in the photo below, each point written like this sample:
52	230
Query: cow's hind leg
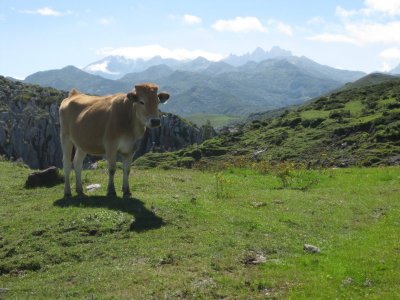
78	162
67	147
112	161
126	164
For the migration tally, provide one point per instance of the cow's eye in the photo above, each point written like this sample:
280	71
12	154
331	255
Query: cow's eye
141	102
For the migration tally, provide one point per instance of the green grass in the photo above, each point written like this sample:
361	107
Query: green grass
311	114
192	234
355	107
216	120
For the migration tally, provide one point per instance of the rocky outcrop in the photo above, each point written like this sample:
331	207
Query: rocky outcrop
175	133
29	126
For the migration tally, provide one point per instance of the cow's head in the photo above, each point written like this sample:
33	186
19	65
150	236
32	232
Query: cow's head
146	102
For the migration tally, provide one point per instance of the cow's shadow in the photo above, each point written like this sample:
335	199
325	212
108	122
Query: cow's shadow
144	219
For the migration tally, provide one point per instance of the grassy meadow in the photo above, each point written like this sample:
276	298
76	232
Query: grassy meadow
216	120
190	234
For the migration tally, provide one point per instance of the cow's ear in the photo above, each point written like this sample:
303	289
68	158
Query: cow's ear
163	97
132	97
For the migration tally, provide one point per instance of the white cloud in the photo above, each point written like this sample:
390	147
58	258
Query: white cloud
371	32
390	54
371	7
318	20
389	7
281	27
191	20
362	33
344	13
239	24
102	67
44	11
369	24
149	51
285	28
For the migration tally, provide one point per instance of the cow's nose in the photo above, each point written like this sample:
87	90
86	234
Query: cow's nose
155	122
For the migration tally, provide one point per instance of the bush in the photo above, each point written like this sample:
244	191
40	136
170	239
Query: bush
393	105
280	138
185	162
339	114
312	122
196	154
333	105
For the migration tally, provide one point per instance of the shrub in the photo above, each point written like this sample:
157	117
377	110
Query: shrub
339	114
186	162
333	105
221	185
312	122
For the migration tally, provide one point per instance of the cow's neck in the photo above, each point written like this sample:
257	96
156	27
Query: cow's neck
137	126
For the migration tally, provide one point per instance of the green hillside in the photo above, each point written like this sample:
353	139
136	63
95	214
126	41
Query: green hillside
358	126
71	77
370	79
190	234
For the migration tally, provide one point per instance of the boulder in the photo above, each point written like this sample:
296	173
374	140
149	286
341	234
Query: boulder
48	177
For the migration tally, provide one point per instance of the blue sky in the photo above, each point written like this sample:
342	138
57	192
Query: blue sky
41	35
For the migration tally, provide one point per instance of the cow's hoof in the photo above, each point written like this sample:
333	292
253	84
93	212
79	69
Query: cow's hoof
82	195
111	194
127	194
67	195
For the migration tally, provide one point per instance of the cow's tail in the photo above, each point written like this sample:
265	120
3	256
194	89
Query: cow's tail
73	92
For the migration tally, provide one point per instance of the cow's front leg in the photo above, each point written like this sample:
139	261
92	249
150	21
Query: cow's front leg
78	162
112	159
67	146
126	164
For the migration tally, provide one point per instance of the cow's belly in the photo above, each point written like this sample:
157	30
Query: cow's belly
88	138
90	147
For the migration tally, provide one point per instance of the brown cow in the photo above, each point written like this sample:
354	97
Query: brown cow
106	125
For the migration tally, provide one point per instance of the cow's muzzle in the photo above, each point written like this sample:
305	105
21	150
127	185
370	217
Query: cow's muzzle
156	122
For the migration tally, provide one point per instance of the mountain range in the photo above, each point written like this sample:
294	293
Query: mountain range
253	82
115	67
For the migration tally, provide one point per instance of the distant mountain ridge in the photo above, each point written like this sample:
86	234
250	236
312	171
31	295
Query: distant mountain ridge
257	55
71	77
115	67
200	86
